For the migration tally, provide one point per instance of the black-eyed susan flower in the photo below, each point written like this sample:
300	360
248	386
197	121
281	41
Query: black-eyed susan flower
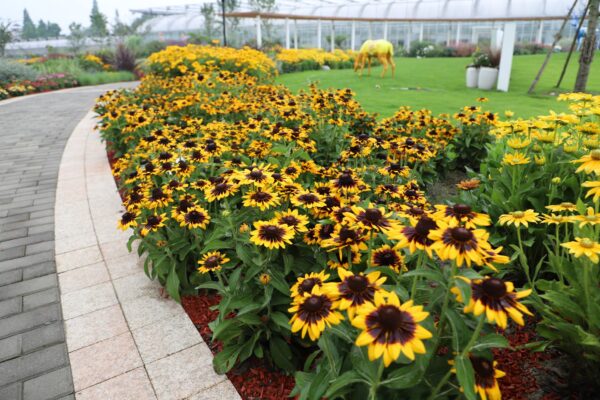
486	375
307	200
305	283
584	247
556	219
374	218
261	198
194	217
496	298
344	260
415	236
128	220
264	278
354	290
390	328
590	163
212	261
385	256
519	218
459	243
460	214
259	175
313	312
153	222
469	184
293	219
271	234
219	190
347	182
345	236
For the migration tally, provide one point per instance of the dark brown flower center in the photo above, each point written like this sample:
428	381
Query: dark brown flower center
425	225
387	257
256	174
461	209
194	217
289	220
483	368
307	285
494	287
127	217
357	283
461	234
346	179
308	198
348	234
261	197
211	262
373	215
391	318
313	304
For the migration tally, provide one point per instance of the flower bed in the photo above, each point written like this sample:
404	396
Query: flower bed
308	218
43	83
292	60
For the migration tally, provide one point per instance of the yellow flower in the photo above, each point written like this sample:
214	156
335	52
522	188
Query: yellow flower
594	191
516	158
518	143
519	218
584	247
589	163
264	278
589	218
564	206
390	328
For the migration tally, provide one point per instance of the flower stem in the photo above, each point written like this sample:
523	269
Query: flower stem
413	289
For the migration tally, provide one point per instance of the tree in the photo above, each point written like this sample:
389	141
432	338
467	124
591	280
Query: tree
588	47
98	27
208	12
119	28
7	30
76	37
28	31
53	29
42	29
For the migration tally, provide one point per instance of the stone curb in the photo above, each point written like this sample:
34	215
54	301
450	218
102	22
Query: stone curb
125	341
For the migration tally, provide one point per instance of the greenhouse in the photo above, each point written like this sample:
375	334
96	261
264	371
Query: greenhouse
314	23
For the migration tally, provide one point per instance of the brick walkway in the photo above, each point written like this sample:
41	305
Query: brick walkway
33	131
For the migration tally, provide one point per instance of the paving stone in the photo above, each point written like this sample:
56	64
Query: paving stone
7	234
95	327
104	360
133	385
6	278
183	374
11	392
29	320
26	261
78	258
222	391
87	300
10	347
41	298
42	269
48	386
39	247
83	277
10	306
28	286
43	336
27	240
33	364
144	311
12	253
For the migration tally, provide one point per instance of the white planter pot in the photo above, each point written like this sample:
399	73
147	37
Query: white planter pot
487	78
472	77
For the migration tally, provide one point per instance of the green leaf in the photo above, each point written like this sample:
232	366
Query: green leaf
173	284
225	359
466	376
216	245
404	377
491	341
281	353
281	320
342	383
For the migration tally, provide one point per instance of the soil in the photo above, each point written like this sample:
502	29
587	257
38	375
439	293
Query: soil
445	189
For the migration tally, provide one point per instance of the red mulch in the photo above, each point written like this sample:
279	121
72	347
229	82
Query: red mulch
252	380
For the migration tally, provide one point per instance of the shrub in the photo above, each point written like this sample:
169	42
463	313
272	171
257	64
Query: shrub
124	58
11	71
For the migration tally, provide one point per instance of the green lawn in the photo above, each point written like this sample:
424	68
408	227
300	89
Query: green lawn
439	84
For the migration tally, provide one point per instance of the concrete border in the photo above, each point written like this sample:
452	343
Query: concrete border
124	340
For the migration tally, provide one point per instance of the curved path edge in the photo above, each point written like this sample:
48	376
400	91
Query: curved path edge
124	340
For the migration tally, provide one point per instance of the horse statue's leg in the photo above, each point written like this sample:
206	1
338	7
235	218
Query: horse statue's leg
383	60
391	61
369	61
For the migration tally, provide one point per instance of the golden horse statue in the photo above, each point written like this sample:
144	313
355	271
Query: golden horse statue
382	49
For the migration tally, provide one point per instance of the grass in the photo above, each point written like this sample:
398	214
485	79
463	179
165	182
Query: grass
85	78
99	78
439	84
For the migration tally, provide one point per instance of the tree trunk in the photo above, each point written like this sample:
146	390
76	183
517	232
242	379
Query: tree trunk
587	48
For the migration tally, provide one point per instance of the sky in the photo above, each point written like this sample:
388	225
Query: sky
64	12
